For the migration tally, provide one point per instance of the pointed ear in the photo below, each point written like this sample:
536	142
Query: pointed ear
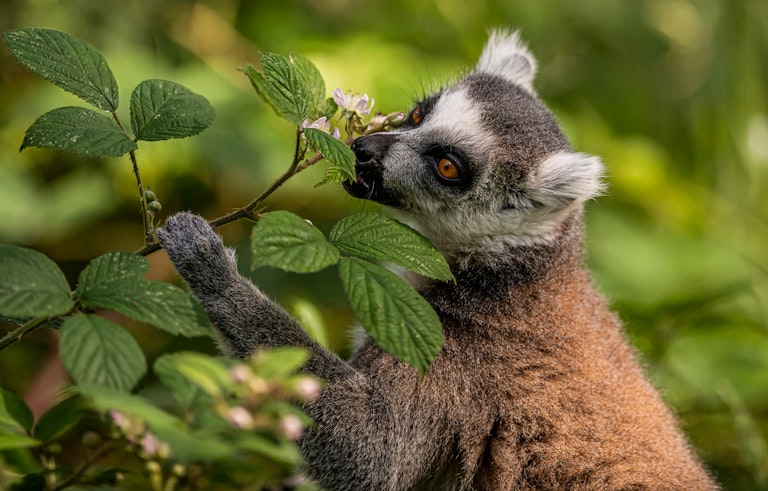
506	56
566	177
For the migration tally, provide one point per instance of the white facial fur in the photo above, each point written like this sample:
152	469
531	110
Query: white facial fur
481	227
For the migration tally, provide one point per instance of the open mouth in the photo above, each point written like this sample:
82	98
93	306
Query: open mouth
363	185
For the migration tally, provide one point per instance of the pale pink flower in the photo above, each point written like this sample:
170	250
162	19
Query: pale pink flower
321	124
352	102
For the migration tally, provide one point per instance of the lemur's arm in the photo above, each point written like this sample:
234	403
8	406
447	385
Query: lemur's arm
243	316
362	428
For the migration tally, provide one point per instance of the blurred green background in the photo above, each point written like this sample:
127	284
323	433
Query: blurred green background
671	93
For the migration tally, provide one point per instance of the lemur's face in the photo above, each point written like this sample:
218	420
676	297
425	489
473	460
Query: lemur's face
480	165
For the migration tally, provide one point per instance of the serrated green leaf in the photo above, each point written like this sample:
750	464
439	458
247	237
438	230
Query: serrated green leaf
287	241
115	281
376	237
14	412
60	418
185	445
187	394
329	108
335	151
79	130
12	441
161	110
31	285
281	86
333	174
393	313
314	83
67	61
107	272
98	352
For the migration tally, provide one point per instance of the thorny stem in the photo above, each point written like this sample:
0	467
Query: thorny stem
82	468
248	210
146	215
24	329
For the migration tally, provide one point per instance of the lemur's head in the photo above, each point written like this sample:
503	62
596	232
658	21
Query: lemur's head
480	166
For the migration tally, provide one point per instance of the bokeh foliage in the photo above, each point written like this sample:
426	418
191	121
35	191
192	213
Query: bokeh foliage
671	93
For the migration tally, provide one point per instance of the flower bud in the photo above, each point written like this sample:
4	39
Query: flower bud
179	470
258	386
240	374
91	439
291	426
149	196
308	389
53	449
239	417
154	206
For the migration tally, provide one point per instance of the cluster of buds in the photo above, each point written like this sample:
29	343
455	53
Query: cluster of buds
384	122
255	391
140	439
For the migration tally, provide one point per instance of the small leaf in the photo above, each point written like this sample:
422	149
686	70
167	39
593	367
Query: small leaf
67	61
14	412
287	241
314	83
376	237
329	108
206	373
393	313
187	394
79	130
12	441
281	86
31	285
333	174
277	363
161	110
115	281
60	418
333	150
98	352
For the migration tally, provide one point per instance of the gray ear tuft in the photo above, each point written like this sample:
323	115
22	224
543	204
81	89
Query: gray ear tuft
565	177
506	56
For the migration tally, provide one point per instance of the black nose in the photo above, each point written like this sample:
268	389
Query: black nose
372	148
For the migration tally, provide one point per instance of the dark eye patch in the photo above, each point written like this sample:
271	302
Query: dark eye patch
420	112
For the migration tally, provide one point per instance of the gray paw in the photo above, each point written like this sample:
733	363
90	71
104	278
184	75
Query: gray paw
195	250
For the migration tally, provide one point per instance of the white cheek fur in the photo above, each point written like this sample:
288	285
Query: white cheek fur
484	227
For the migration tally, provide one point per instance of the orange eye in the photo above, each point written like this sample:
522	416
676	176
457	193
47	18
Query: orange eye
447	170
416	116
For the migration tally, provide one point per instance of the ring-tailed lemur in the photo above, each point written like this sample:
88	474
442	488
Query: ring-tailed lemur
535	387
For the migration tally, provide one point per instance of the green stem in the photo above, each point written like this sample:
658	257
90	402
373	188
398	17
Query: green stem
17	334
146	215
248	210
